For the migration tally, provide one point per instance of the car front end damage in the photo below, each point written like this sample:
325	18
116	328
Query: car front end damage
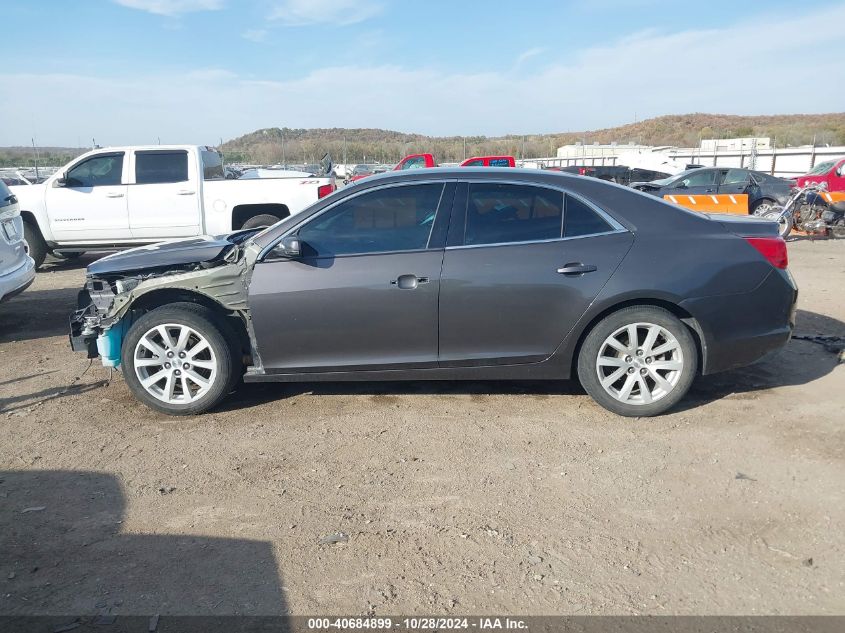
115	295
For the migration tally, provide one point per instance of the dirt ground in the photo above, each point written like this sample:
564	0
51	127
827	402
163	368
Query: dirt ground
441	497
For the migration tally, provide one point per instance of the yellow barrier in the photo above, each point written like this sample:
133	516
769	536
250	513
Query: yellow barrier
717	203
833	196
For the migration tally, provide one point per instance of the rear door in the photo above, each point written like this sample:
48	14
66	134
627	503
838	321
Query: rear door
164	200
91	204
738	181
520	270
363	295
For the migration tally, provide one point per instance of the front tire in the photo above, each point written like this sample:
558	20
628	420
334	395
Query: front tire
37	247
639	361
180	359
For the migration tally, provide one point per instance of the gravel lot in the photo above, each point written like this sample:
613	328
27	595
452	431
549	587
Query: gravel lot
443	497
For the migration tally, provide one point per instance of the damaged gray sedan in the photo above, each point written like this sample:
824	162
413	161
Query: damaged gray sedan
449	274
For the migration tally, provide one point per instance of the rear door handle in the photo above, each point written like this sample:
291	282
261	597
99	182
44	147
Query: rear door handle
185	192
408	282
576	269
114	194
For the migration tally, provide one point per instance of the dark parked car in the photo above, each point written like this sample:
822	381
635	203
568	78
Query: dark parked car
763	190
464	273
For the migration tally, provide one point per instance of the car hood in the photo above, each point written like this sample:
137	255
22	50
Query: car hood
174	253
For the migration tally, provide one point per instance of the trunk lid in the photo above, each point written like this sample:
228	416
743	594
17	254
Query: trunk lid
745	225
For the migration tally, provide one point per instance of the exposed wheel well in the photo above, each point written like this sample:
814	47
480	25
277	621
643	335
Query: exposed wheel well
678	311
29	217
243	212
157	298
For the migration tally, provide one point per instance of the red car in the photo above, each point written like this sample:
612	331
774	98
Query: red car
831	171
421	161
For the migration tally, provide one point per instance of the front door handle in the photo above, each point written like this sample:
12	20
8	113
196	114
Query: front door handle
576	269
408	282
114	194
185	192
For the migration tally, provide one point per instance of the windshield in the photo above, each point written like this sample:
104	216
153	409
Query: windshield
822	168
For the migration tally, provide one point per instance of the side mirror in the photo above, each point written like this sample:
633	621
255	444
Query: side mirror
290	247
681	185
61	181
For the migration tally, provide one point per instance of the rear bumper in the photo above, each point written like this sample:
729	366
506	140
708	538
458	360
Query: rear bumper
737	330
16	281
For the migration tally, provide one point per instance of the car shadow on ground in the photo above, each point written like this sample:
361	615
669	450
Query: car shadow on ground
65	553
810	355
254	394
800	362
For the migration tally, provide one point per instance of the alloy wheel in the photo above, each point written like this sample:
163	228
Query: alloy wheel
640	363
175	363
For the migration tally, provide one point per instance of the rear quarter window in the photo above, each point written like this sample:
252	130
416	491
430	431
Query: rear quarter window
6	197
580	219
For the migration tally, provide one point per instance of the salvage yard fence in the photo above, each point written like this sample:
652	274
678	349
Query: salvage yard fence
783	162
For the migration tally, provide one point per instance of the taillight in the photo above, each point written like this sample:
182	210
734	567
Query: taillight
325	190
772	248
582	171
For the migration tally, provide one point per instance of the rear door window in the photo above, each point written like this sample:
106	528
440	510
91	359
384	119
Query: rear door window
735	177
506	213
159	167
212	165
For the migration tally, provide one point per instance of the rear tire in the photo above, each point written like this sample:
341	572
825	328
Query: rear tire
196	375
641	376
837	230
259	221
784	222
36	246
763	206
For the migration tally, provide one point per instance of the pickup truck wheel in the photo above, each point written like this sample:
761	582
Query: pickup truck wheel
36	246
180	359
265	219
639	361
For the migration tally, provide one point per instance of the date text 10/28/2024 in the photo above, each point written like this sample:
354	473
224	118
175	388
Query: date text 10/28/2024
416	624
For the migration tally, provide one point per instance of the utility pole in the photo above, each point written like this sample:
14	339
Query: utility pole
35	147
284	158
465	148
523	146
344	151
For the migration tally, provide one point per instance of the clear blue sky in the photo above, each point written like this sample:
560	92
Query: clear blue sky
128	71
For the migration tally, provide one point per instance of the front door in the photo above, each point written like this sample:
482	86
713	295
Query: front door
363	295
164	200
698	182
90	205
520	275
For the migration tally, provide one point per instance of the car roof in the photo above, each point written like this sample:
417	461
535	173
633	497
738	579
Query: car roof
485	173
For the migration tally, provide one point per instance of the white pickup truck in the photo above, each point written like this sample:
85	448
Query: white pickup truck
119	197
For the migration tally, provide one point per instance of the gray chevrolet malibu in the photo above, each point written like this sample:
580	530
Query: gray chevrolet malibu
456	274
